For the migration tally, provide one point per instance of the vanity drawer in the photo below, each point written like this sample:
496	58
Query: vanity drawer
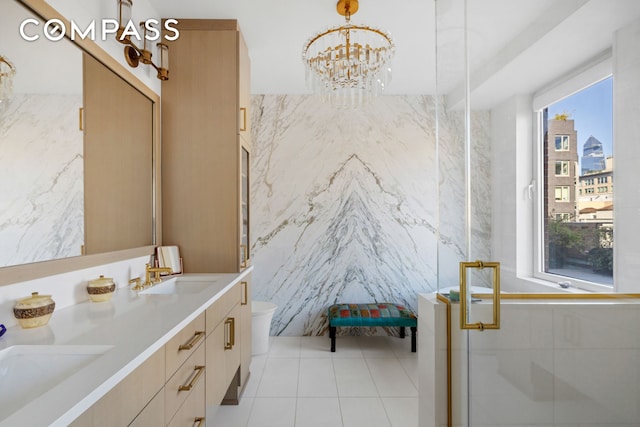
184	344
152	414
184	382
219	309
192	411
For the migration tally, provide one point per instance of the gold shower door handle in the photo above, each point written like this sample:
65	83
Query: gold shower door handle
464	312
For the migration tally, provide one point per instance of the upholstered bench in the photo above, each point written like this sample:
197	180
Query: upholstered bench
377	314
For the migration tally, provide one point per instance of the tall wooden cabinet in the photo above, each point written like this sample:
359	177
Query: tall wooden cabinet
206	156
206	147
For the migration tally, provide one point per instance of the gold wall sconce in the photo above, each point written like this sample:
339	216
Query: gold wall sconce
132	53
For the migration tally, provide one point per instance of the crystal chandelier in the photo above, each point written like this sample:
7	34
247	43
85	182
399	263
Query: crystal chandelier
7	71
348	65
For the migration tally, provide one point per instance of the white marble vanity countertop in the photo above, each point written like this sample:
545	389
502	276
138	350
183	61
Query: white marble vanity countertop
134	325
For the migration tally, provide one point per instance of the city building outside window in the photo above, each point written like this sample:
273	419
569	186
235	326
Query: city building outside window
577	233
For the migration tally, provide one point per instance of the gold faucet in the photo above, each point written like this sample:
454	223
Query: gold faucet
148	281
138	286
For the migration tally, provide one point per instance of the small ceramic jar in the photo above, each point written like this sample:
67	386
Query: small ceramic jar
34	311
101	289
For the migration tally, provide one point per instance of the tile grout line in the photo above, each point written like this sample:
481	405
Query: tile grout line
335	379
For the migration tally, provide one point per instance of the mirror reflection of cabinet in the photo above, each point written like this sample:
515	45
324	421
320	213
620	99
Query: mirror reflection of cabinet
205	148
117	152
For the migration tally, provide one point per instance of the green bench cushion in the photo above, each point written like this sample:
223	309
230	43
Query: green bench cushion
378	314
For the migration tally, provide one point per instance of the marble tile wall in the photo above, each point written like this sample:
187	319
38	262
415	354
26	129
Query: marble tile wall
345	203
41	156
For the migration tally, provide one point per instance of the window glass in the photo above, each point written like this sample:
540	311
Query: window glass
562	168
562	142
577	200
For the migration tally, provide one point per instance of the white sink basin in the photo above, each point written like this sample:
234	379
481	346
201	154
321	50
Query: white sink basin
28	371
175	286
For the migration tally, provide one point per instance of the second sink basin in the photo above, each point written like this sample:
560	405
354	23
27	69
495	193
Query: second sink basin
28	371
175	286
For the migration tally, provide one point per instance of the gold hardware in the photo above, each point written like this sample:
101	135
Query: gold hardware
244	119
230	338
245	257
81	118
244	300
192	342
194	380
197	422
447	302
148	281
132	53
138	286
347	7
495	266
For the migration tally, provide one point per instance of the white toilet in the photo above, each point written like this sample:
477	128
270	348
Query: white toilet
261	315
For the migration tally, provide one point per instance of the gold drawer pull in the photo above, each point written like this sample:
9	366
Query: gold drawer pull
230	339
244	119
194	380
81	118
192	342
198	421
244	300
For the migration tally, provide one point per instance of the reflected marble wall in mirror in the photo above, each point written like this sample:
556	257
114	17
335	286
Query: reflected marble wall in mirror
48	209
41	165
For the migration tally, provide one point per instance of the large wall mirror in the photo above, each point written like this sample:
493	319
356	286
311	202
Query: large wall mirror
78	133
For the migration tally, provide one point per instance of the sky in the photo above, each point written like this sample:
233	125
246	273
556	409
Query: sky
592	112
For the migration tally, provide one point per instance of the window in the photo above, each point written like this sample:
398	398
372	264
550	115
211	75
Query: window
562	168
562	142
562	193
576	236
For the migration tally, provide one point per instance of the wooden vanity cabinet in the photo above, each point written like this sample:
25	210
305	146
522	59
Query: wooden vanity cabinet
228	344
223	347
185	371
130	398
205	144
167	389
245	330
